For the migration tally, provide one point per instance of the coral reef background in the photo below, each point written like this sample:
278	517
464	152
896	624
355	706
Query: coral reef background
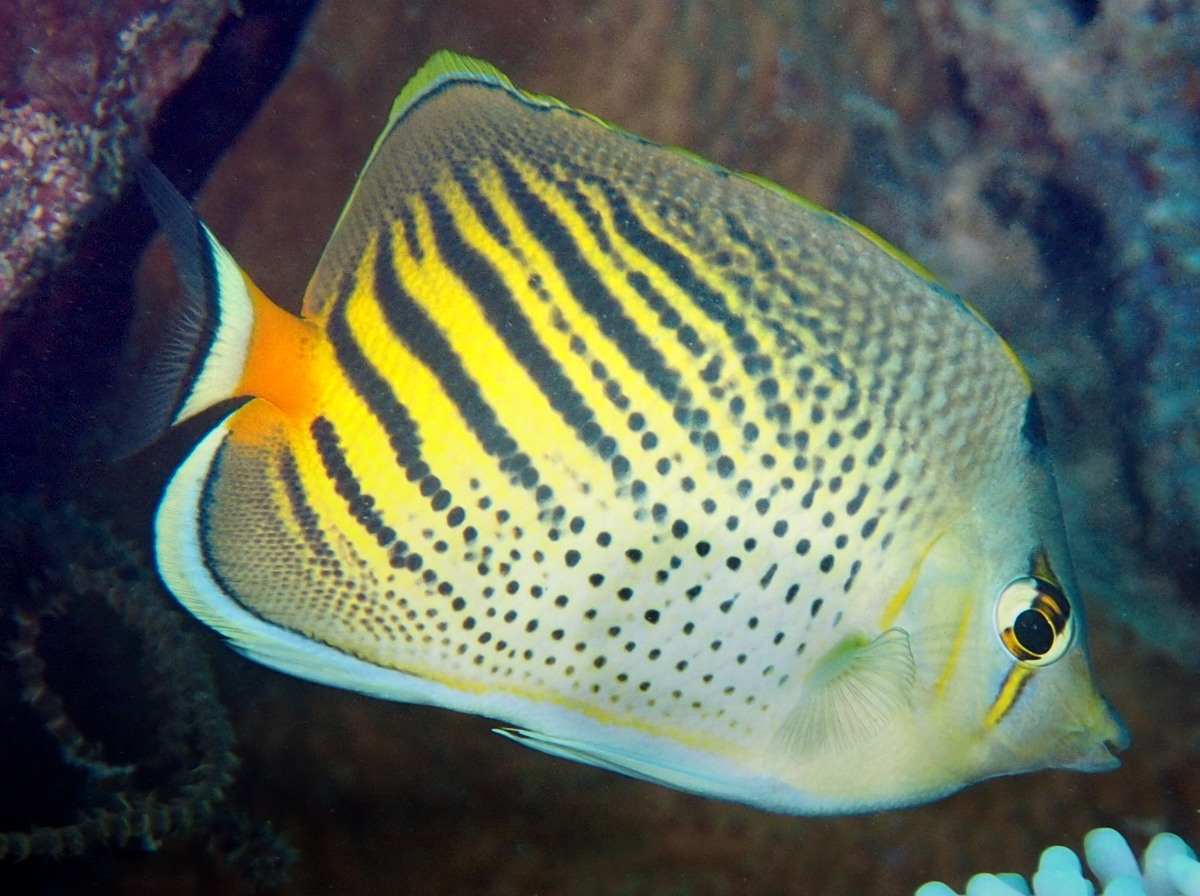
1040	156
79	85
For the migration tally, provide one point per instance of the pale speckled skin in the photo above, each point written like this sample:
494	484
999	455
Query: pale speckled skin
699	534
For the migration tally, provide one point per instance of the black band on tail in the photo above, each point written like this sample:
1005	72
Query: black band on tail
166	382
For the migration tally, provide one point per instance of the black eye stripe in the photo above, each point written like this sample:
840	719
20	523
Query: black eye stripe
1053	604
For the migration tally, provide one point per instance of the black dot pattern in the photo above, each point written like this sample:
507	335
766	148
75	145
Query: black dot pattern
737	426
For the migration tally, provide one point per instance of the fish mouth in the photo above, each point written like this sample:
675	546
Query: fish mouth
1099	756
1087	740
1094	748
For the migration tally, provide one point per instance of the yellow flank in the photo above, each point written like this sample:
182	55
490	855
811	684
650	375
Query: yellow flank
565	305
561	322
504	381
448	442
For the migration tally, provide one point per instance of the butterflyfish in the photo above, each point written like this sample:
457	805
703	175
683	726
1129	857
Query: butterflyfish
670	471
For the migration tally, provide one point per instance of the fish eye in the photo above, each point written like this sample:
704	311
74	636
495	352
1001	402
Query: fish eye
1033	620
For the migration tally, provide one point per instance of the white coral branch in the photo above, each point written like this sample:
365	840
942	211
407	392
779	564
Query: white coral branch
1169	868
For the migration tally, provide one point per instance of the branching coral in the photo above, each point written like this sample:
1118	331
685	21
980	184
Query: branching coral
1169	868
60	558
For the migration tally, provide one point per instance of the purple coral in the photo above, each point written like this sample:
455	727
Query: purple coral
79	83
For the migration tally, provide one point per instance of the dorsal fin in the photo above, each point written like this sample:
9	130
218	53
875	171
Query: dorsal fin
851	694
441	67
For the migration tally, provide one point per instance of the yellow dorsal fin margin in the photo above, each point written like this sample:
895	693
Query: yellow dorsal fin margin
446	66
442	67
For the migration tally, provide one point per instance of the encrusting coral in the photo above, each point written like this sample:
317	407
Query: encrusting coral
49	559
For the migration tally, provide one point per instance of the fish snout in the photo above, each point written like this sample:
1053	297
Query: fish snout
1096	745
1062	722
1091	733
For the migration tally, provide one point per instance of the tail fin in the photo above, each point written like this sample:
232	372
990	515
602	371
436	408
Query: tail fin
202	361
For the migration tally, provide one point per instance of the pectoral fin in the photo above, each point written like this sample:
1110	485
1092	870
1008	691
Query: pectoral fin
851	695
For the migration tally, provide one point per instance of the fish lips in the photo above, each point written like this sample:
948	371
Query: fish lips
1095	749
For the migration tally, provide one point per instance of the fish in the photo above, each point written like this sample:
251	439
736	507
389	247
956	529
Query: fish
665	469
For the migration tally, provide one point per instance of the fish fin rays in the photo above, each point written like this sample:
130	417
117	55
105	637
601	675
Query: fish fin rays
200	585
851	695
201	360
651	767
442	67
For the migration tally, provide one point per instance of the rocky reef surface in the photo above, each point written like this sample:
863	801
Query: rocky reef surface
79	85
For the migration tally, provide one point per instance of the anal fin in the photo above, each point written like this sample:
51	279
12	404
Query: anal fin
648	765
